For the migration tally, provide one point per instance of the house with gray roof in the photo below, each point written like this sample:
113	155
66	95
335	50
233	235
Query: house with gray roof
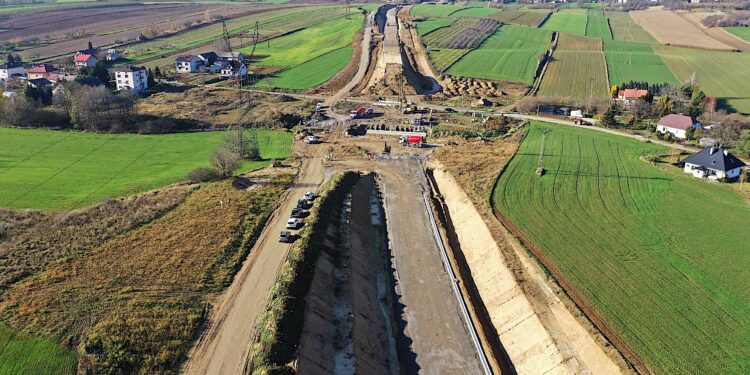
713	163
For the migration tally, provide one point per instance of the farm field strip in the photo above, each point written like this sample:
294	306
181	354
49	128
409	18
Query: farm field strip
720	74
599	214
531	18
510	54
431	10
313	72
60	170
577	70
597	25
740	32
571	21
669	28
443	58
424	27
21	353
304	45
476	12
440	37
633	61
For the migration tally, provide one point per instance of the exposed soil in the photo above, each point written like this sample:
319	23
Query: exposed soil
393	82
493	91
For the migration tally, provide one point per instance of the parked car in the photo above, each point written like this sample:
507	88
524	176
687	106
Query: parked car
293	223
297	212
309	195
301	203
312	139
285	236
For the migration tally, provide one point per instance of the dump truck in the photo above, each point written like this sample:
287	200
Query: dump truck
411	140
361	112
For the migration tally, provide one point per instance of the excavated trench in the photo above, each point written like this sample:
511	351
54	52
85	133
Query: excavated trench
350	323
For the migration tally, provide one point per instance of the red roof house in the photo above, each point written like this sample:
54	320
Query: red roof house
42	71
676	125
84	60
629	96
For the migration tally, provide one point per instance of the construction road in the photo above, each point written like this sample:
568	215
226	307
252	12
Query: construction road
223	346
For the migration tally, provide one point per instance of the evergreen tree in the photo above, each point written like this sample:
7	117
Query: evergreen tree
150	78
608	120
10	60
100	72
157	72
91	46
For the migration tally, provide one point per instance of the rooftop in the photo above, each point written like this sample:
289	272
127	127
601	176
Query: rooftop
43	68
129	68
676	121
715	158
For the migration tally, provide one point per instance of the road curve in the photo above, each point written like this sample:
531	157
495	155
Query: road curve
364	63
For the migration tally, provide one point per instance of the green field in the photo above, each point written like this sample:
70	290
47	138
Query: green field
633	61
577	70
571	21
25	354
314	72
624	28
431	10
662	256
510	54
720	74
476	12
522	17
597	25
424	27
57	170
296	48
442	58
741	32
442	35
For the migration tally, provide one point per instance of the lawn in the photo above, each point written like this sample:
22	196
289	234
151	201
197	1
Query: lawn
21	353
314	72
597	25
571	21
740	32
56	170
301	46
625	28
660	255
577	70
511	54
424	27
633	61
720	74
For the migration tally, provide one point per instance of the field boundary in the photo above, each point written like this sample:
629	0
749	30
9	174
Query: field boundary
606	66
588	310
541	69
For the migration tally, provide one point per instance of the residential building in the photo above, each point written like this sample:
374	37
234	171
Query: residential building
208	58
84	60
10	71
187	64
713	163
131	78
232	69
676	125
629	96
112	55
229	56
39	83
43	71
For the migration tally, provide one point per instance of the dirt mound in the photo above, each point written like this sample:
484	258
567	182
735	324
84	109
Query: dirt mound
283	99
392	83
461	86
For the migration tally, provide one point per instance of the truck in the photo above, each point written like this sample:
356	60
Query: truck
312	139
416	120
361	112
408	108
411	140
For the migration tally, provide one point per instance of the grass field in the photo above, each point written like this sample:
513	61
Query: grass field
476	12
60	170
442	58
633	61
25	354
442	35
304	45
624	28
597	25
571	21
671	28
314	72
432	10
577	69
720	74
522	17
427	26
624	233
741	32
511	54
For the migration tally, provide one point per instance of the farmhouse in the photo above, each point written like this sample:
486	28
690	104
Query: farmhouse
230	56
10	71
43	71
676	125
231	69
39	83
629	96
187	64
112	54
713	163
131	78
84	60
208	58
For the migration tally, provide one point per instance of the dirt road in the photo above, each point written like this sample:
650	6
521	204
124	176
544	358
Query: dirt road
436	339
364	63
390	52
224	344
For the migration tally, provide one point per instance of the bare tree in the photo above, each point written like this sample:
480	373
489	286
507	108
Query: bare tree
225	161
237	141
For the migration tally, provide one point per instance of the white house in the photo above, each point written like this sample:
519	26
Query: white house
84	60
713	163
6	72
131	78
676	125
187	64
112	55
231	69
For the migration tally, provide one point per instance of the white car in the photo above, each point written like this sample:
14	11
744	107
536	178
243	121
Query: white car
293	223
309	195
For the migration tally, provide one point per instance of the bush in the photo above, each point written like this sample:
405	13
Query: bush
203	175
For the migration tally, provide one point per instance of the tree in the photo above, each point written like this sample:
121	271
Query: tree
725	134
225	161
157	72
91	46
664	105
608	119
101	73
150	78
236	140
690	132
10	60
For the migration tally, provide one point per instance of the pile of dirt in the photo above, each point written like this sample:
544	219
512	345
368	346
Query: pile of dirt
392	83
458	86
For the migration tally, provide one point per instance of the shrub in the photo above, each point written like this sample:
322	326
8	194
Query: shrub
203	175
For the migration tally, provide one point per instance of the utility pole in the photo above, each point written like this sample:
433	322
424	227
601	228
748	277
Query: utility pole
540	163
